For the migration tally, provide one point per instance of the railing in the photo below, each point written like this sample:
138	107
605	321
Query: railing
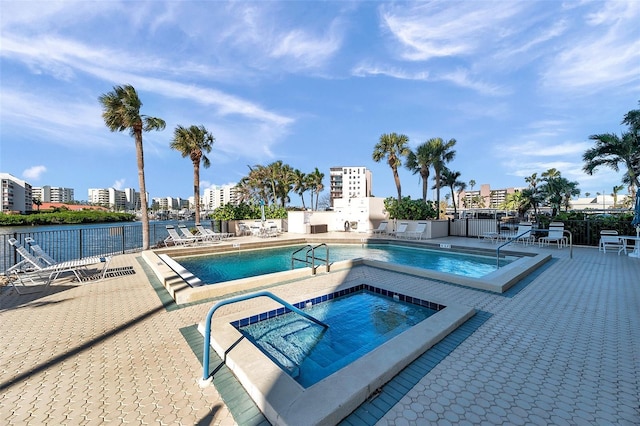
514	239
68	242
208	378
310	257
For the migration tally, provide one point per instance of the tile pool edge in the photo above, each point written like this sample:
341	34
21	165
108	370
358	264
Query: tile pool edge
283	401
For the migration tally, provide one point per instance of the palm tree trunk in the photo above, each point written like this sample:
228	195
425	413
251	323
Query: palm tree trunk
196	189
396	178
143	190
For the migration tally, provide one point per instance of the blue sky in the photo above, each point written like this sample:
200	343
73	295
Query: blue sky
519	84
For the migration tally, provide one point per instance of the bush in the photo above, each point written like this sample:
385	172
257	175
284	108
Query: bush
409	209
244	211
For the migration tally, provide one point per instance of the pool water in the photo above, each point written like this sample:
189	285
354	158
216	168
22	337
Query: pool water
249	263
358	323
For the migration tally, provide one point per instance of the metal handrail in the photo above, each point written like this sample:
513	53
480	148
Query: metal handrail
528	232
206	377
310	260
313	257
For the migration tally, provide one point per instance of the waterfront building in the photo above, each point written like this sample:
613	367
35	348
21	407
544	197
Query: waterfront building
15	195
217	196
52	194
349	182
115	199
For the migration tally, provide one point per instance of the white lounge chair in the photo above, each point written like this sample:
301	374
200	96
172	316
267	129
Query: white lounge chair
31	268
270	230
418	232
42	255
243	229
401	232
381	229
556	234
611	239
523	234
177	239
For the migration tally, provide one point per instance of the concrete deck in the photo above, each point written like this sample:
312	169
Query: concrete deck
563	349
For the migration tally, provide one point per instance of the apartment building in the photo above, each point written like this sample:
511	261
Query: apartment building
349	182
115	199
52	194
169	203
15	195
485	197
218	196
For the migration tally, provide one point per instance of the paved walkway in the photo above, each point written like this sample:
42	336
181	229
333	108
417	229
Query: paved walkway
565	349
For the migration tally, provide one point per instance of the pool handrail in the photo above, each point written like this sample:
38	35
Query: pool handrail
208	378
311	262
511	240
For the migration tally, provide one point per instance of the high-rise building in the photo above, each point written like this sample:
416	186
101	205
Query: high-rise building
127	199
349	182
485	197
218	196
15	194
52	194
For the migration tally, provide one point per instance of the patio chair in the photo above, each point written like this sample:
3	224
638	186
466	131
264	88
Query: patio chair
39	252
177	239
243	229
31	268
271	230
418	232
610	239
381	229
556	234
523	234
401	232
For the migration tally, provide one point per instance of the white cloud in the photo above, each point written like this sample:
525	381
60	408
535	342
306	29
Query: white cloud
34	172
119	184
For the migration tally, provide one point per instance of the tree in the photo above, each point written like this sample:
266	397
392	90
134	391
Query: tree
191	142
450	179
37	202
614	194
557	190
420	162
611	151
314	182
121	111
392	147
472	183
442	154
300	185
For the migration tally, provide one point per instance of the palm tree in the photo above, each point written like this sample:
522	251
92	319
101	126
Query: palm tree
611	151
442	154
392	147
121	111
449	179
472	183
300	185
38	203
419	162
314	182
191	142
614	194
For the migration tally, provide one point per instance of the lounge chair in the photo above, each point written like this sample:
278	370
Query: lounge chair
39	252
256	228
186	232
271	230
243	229
556	234
418	232
401	232
610	239
177	239
31	268
212	235
381	229
523	234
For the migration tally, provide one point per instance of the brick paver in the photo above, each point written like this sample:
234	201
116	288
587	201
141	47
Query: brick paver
564	349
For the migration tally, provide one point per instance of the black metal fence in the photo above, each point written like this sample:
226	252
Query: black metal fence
69	242
584	232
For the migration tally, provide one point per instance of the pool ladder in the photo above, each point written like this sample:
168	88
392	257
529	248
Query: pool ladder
310	257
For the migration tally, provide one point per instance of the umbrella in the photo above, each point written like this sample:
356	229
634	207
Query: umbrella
262	209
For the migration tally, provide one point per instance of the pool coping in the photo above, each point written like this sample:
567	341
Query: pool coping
497	281
283	401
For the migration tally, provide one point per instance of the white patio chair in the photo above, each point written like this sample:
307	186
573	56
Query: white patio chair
381	229
611	239
418	232
556	234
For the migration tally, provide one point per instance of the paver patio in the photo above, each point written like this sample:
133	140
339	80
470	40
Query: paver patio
563	349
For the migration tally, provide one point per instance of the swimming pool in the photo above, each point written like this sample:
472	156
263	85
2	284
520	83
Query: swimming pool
219	268
285	401
358	322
